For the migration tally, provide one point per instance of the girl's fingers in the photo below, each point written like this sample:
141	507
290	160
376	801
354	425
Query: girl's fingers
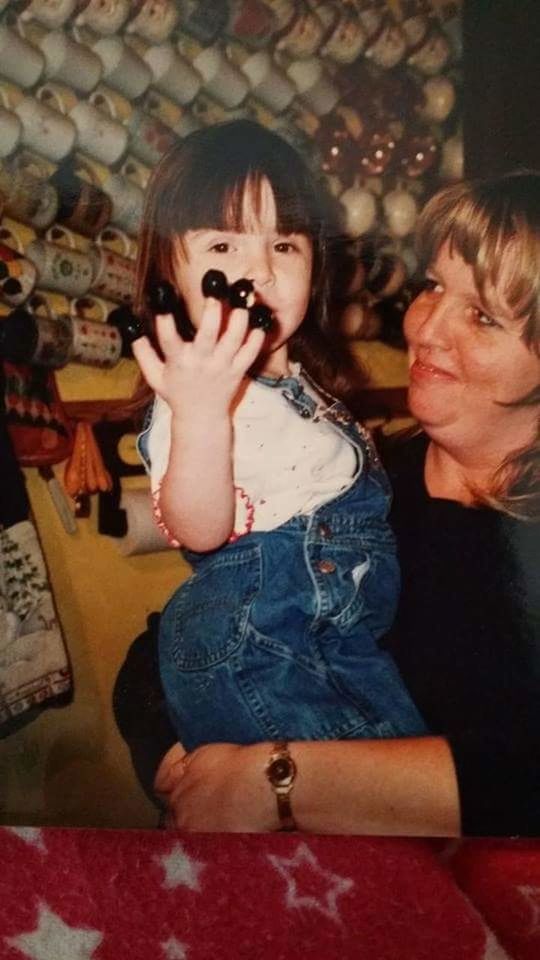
250	349
234	334
167	334
208	332
149	362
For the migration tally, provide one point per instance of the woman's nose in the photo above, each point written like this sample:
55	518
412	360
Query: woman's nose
429	321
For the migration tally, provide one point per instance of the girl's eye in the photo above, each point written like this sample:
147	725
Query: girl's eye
284	246
221	247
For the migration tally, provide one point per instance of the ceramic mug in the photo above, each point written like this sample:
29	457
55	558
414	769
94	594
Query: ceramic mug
221	79
45	130
90	308
58	96
127	202
102	138
123	69
268	83
114	275
313	85
16	235
10	132
70	62
115	239
48	303
20	62
150	138
173	75
63	237
18	276
29	198
104	16
112	103
95	343
10	95
155	20
69	271
135	171
51	13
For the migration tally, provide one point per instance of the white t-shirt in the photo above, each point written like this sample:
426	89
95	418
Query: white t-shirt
283	463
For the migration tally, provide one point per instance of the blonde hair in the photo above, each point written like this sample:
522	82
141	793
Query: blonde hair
494	225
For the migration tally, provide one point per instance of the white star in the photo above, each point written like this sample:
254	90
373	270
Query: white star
305	858
493	950
532	896
53	939
31	835
174	950
180	869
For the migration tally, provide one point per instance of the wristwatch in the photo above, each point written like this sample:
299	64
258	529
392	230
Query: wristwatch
281	772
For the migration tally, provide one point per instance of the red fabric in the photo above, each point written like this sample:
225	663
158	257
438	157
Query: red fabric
110	895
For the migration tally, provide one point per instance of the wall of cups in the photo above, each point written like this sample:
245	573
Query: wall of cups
93	92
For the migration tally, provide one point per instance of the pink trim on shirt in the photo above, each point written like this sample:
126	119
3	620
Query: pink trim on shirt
158	517
244	500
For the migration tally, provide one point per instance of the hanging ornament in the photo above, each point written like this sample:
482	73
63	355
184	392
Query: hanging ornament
360	210
439	99
452	163
389	45
417	154
377	152
400	210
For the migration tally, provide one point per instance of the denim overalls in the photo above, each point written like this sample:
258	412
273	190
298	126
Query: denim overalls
275	635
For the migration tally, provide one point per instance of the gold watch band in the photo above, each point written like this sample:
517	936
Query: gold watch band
281	772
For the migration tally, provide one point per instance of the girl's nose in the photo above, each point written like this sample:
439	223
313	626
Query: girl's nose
260	269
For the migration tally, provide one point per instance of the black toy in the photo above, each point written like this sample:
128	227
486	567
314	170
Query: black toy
238	294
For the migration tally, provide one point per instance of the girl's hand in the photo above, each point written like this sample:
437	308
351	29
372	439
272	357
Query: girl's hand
206	373
218	787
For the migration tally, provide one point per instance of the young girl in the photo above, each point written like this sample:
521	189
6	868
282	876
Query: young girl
262	476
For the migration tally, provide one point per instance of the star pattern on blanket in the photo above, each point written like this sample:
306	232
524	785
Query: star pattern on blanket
174	950
531	895
31	835
52	938
301	895
180	869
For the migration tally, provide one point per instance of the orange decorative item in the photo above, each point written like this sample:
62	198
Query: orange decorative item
85	472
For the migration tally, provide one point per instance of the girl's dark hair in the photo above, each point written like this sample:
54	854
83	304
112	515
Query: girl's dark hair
200	183
494	225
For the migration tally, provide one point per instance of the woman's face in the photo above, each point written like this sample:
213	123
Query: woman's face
280	266
464	362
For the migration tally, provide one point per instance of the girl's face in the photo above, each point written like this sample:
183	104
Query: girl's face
280	267
465	363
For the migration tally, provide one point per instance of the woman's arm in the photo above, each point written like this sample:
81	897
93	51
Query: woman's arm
405	786
199	381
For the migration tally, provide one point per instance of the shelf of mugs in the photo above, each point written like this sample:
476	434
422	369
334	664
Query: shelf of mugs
92	94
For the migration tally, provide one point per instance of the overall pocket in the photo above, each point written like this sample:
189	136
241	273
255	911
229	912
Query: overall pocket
205	620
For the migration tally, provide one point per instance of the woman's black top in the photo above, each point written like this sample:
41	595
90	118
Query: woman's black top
467	642
466	639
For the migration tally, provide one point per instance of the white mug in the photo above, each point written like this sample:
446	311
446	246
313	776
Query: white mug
314	86
69	271
155	20
45	130
104	16
10	95
70	62
19	61
221	79
268	83
123	69
127	203
10	132
63	237
90	307
51	13
57	95
111	102
113	238
173	75
102	138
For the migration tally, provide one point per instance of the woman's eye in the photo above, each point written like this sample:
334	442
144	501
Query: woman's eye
483	319
430	285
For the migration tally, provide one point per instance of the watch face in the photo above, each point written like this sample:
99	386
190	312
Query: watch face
281	772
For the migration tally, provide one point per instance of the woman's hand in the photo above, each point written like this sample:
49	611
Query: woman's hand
205	374
219	787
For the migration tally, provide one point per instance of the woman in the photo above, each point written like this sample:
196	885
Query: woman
466	508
